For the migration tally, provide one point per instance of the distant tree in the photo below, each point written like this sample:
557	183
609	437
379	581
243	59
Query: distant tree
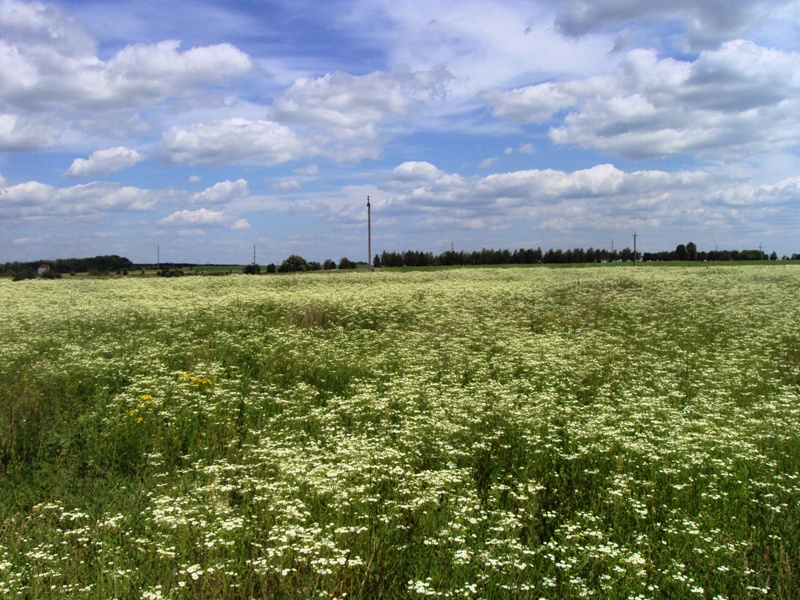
293	263
253	269
376	262
682	252
271	268
329	264
346	263
314	266
773	256
26	274
691	251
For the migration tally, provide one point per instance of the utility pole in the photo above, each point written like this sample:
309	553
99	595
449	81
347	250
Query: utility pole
158	257
634	248
369	235
254	254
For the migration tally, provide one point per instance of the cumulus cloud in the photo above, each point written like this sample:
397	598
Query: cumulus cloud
235	140
287	184
705	21
51	77
340	113
502	197
202	217
738	98
35	200
20	133
416	171
528	104
103	162
40	69
221	193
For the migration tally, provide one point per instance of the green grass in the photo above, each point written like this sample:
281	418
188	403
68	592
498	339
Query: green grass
491	433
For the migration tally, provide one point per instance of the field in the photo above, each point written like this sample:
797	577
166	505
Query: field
489	433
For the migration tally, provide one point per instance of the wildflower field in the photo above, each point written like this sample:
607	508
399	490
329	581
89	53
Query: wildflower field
489	433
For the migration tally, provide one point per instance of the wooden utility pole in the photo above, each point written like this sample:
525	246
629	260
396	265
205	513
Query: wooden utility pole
369	235
634	248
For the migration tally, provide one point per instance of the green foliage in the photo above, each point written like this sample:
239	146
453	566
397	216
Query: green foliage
171	273
292	264
346	263
253	269
23	275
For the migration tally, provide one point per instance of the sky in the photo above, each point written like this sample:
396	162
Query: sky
202	130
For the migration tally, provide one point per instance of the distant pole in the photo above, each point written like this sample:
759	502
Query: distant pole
634	248
158	257
369	235
254	254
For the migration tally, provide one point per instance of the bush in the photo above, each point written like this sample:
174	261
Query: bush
22	275
293	263
252	270
346	263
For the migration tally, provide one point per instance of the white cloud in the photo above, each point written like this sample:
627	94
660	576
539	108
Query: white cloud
309	171
340	114
705	21
416	171
103	162
202	216
35	200
52	79
287	184
42	71
483	43
601	191
736	99
21	133
233	140
221	193
529	104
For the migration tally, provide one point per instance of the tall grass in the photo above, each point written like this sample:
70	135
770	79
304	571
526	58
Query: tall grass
530	433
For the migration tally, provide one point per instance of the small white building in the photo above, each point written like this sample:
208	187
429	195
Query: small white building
43	268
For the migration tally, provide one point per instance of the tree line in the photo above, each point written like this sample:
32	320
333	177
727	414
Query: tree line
295	263
487	256
103	265
65	266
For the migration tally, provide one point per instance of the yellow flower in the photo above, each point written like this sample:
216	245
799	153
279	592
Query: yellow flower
146	398
132	412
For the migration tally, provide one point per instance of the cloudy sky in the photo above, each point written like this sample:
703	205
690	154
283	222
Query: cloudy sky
205	127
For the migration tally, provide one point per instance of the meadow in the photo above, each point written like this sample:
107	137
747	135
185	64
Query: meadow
622	433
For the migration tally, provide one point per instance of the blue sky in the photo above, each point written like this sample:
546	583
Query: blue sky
203	128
